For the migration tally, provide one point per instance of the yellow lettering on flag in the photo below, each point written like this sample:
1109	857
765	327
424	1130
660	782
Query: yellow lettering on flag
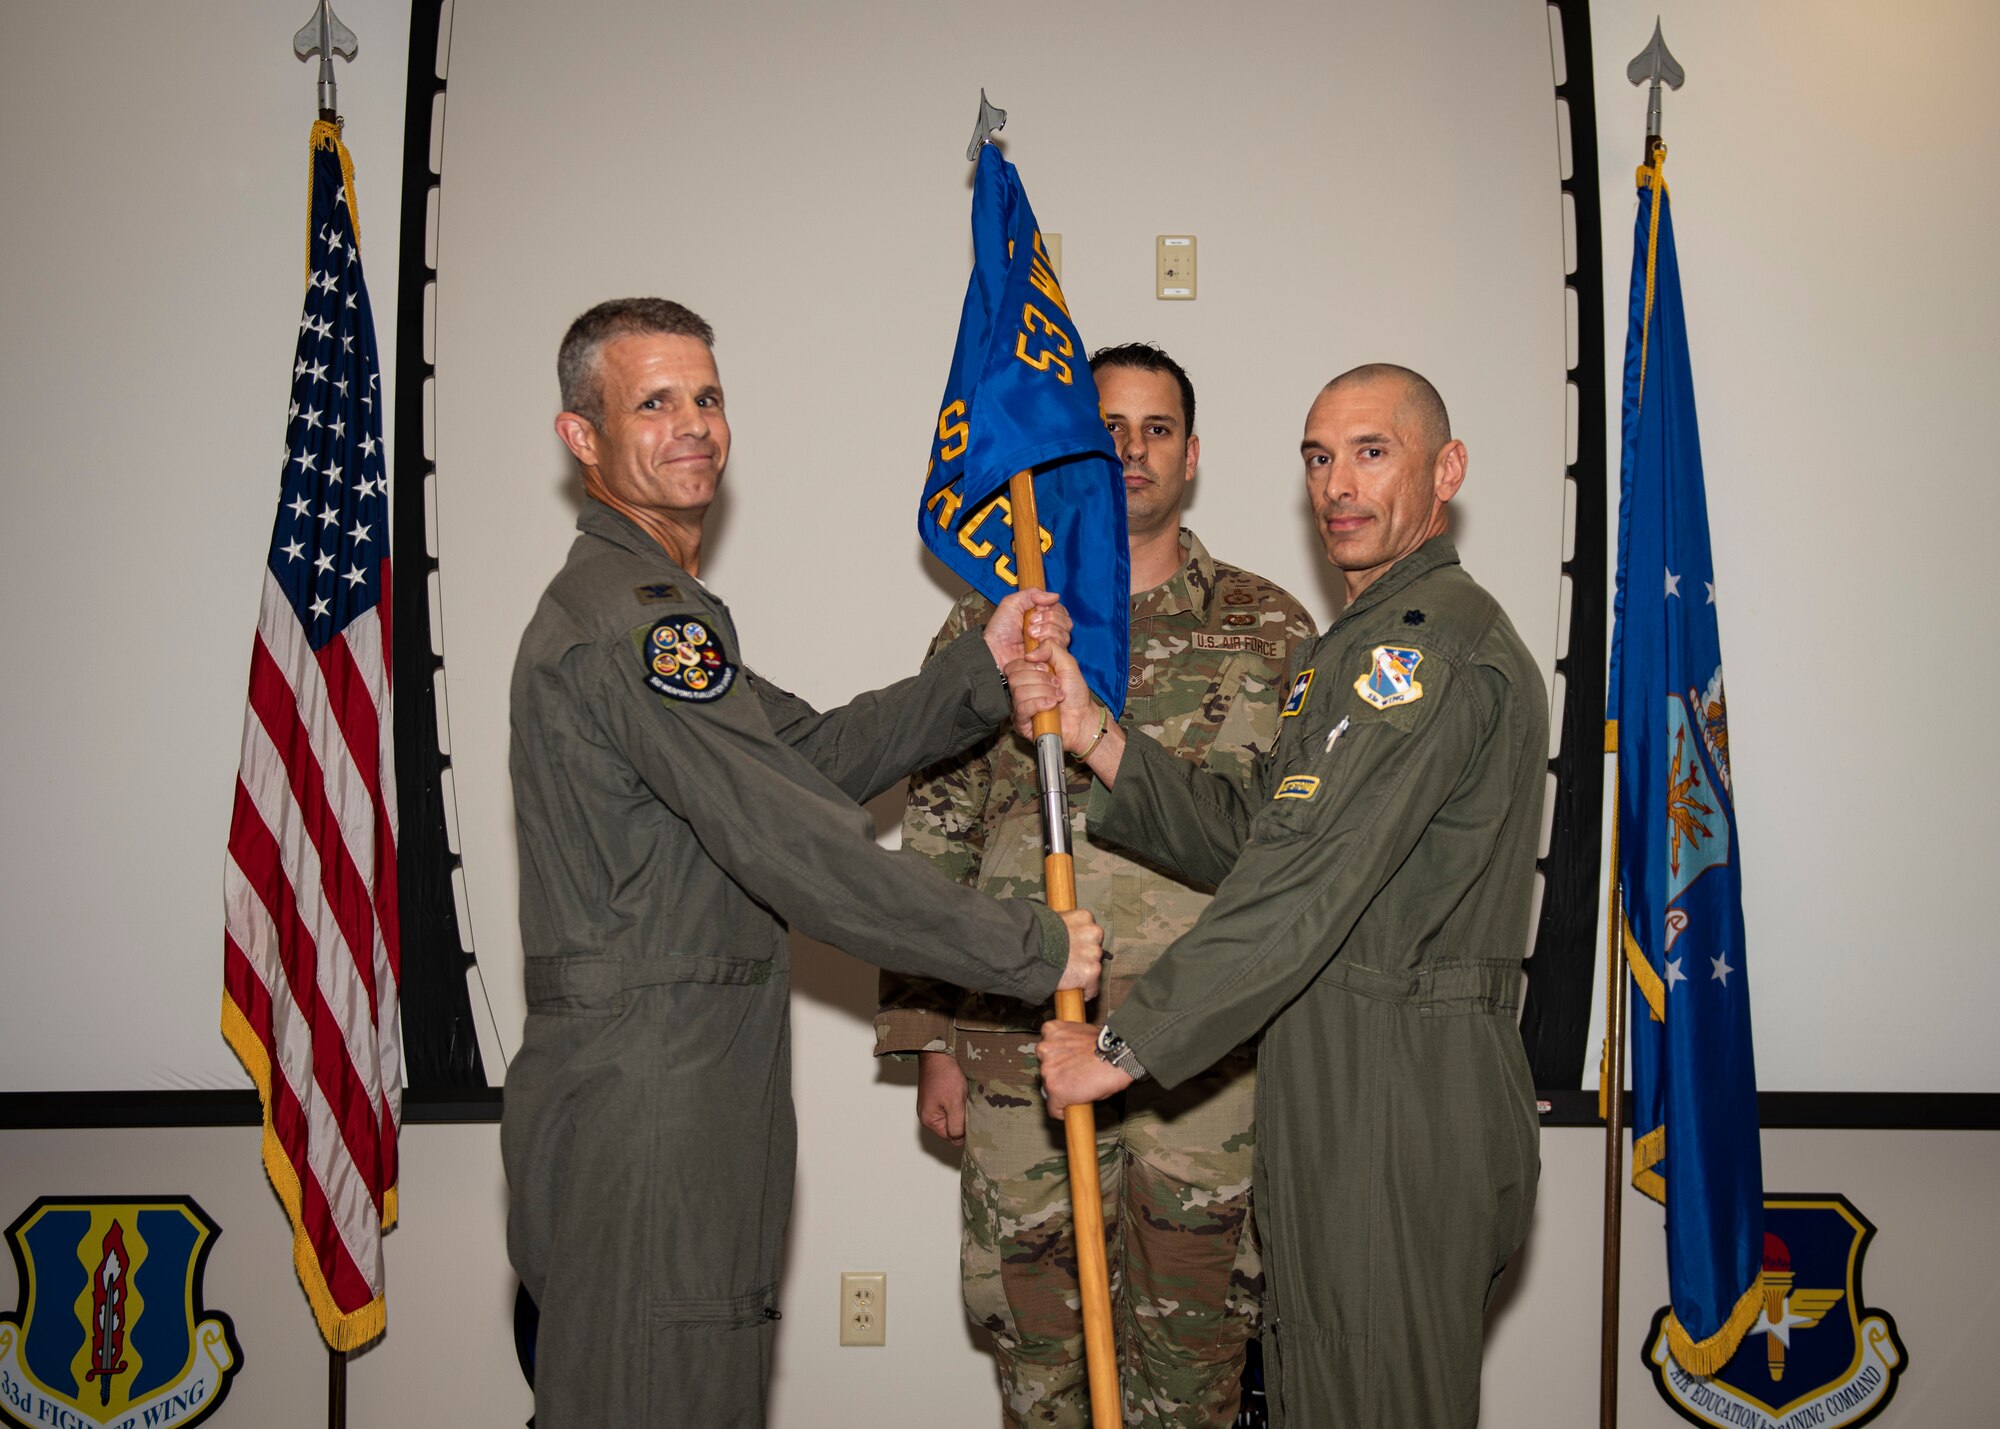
983	549
1043	276
955	435
945	504
1031	317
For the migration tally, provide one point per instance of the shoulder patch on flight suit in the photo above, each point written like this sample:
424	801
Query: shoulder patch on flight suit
1390	679
685	660
656	592
1296	700
1297	786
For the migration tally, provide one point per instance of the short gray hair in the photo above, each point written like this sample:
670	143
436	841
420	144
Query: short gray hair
577	365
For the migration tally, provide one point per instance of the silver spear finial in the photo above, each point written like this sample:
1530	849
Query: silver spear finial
1656	64
991	122
325	36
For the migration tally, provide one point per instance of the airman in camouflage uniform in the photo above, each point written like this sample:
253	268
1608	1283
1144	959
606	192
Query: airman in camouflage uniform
1210	649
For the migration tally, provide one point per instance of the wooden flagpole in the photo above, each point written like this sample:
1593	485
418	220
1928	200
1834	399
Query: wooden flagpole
1080	1121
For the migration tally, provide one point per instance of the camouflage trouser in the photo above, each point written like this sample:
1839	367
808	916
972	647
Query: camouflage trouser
1185	1273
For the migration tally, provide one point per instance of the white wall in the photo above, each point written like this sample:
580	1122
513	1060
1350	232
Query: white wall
153	237
799	178
448	1358
1835	243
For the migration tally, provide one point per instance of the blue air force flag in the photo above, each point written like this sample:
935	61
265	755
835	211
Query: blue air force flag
1020	397
1694	1083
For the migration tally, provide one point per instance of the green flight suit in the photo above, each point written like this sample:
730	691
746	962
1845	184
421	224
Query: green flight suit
1375	879
676	813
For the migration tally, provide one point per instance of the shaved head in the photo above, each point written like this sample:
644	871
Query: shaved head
1419	404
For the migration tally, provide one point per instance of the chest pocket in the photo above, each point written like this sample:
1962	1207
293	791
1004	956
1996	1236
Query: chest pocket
1322	753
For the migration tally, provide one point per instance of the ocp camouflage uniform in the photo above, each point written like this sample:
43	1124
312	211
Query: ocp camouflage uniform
1210	650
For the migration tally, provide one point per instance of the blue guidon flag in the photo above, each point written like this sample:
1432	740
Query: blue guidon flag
1020	397
1694	1082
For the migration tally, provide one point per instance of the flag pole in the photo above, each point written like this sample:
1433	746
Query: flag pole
336	1389
325	36
1611	1106
1080	1119
1652	66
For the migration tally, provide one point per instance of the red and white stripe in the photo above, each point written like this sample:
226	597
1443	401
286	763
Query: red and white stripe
310	956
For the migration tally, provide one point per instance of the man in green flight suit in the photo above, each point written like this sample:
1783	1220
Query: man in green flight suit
1375	876
1211	645
677	812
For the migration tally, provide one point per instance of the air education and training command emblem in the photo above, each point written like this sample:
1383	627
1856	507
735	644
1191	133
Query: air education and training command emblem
111	1332
685	661
1391	677
1817	1357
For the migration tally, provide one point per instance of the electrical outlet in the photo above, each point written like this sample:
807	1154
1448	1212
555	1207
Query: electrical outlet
864	1307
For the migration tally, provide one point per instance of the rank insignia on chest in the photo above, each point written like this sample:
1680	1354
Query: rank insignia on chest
1391	677
685	661
1296	700
1297	786
656	592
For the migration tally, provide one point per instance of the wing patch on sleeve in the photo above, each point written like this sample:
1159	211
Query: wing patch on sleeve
1390	679
685	660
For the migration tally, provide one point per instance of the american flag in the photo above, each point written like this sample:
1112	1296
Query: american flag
310	955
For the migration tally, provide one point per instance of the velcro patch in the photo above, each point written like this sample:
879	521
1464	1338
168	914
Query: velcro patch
1205	641
1390	679
685	660
1297	786
1296	700
656	592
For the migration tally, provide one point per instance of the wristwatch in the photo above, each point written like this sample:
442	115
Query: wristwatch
1113	1049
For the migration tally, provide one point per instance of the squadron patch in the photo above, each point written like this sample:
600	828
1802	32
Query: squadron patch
1297	786
1390	679
1296	700
656	592
685	661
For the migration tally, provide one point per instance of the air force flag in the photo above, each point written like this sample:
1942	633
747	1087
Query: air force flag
1694	1081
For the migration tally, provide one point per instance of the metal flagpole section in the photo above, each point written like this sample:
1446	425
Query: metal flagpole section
1086	1193
1656	64
325	36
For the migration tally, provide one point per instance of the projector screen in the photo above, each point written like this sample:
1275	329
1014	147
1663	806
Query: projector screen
1364	183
